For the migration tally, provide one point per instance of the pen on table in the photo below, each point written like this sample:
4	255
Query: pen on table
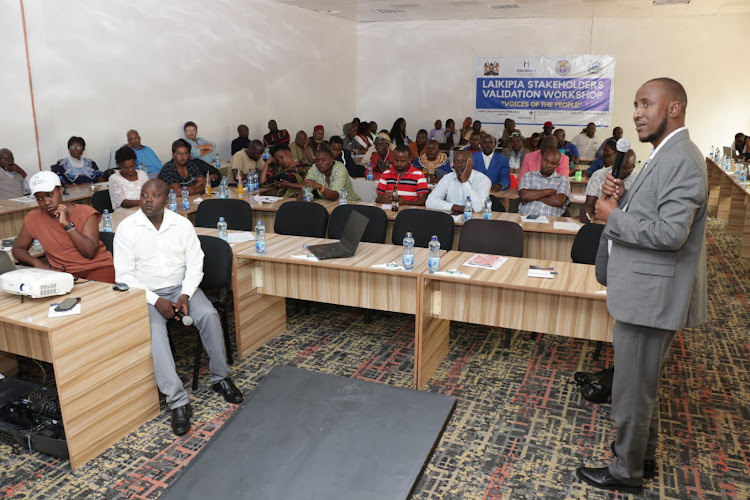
588	216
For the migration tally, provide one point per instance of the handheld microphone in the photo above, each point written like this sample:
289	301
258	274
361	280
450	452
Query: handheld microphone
186	320
623	146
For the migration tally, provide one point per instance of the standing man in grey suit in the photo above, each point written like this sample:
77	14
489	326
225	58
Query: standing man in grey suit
652	257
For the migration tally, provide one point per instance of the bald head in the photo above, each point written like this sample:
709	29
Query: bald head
134	139
157	184
673	90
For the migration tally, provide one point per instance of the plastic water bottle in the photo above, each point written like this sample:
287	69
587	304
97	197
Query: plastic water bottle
487	211
218	162
433	258
185	199
223	189
468	210
222	227
408	257
260	238
256	180
394	200
342	197
369	174
711	152
743	174
450	158
266	154
307	194
172	200
106	221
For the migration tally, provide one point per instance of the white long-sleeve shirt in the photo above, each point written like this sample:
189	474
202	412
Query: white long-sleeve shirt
450	191
150	259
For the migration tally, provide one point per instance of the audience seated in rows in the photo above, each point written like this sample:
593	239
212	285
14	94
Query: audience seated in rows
451	192
544	191
408	181
200	148
125	184
68	232
77	170
144	155
13	180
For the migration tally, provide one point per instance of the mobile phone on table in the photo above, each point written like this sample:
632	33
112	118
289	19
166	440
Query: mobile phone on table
67	304
532	217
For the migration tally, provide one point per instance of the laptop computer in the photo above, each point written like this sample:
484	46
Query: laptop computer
350	238
7	263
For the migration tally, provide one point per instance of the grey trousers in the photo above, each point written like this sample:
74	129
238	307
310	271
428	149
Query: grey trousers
640	356
206	319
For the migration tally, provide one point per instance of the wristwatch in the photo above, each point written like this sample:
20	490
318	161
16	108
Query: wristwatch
70	226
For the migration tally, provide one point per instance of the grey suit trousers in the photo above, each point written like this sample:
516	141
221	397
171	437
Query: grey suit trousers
641	353
207	320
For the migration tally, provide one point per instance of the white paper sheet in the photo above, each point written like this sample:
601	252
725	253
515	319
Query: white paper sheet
241	237
566	226
266	199
578	197
310	257
389	265
455	273
57	314
540	273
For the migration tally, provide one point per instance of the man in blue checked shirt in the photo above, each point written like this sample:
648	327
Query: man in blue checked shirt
144	154
544	192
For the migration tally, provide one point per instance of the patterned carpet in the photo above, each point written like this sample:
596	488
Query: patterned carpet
520	428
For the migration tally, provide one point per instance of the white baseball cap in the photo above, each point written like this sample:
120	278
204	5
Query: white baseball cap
44	181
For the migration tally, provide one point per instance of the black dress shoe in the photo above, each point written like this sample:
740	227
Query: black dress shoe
649	465
181	419
601	478
227	389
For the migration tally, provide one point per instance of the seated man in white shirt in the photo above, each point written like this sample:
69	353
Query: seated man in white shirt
157	250
596	181
587	142
451	192
13	180
544	191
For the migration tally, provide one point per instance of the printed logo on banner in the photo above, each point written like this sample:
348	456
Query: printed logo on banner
491	68
563	67
595	68
526	68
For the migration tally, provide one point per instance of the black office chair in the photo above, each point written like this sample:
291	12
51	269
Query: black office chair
217	285
583	251
109	241
423	224
513	205
101	200
376	227
237	214
301	218
496	237
497	204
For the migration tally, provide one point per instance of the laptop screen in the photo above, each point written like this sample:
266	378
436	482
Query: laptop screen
354	229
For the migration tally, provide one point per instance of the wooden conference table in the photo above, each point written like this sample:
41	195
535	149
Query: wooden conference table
102	361
566	305
732	199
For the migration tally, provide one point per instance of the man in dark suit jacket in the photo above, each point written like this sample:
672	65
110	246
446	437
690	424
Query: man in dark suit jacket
492	163
652	257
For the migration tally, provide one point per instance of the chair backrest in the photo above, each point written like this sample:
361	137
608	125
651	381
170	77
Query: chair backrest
513	205
217	263
496	237
237	214
497	204
375	230
586	244
108	239
423	224
101	200
301	218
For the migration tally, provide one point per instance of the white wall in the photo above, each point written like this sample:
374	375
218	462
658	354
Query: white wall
101	68
433	77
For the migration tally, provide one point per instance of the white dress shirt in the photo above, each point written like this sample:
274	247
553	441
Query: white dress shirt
450	191
587	146
150	259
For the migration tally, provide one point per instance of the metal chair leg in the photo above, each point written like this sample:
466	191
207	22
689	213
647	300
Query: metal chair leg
225	330
197	362
508	334
598	350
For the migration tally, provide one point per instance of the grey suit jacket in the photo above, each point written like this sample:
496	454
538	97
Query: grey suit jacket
656	271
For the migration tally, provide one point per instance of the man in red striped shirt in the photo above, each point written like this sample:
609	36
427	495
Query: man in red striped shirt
408	181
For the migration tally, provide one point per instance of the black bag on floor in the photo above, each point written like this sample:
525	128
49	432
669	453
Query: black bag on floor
596	387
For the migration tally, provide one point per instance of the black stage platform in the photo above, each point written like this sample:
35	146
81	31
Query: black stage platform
306	435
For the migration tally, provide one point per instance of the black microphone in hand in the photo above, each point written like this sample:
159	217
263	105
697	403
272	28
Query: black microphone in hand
186	320
623	146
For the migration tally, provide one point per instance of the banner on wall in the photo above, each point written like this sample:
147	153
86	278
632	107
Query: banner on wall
568	91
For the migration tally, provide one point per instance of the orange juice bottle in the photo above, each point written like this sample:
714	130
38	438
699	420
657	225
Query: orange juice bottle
208	187
240	186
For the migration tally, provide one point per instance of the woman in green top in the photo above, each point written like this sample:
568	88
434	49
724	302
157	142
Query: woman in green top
329	178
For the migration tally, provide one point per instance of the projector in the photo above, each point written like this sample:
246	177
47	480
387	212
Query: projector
36	283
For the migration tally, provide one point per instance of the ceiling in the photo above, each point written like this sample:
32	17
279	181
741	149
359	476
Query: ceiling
365	11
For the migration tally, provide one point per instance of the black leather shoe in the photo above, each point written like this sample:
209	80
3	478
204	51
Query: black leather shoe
227	389
181	419
601	478
649	465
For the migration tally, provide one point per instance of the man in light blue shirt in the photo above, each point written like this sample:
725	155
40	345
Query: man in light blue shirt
144	155
201	148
